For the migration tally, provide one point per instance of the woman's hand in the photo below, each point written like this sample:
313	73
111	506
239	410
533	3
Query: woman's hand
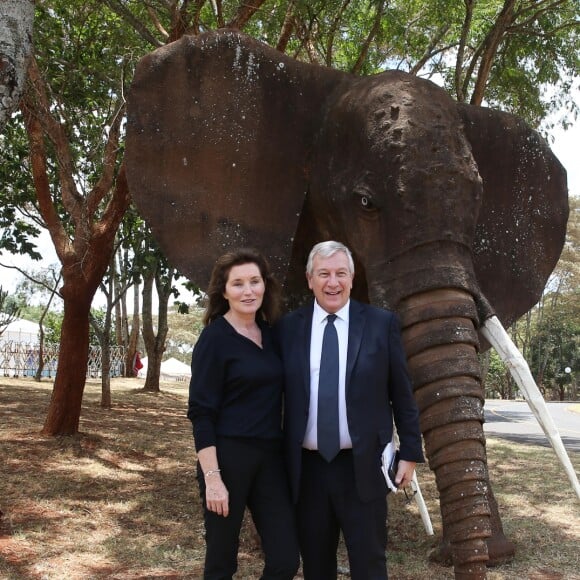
216	495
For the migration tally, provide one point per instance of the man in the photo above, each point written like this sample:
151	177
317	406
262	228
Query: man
344	490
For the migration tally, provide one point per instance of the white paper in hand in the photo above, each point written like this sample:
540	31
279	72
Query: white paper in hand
387	460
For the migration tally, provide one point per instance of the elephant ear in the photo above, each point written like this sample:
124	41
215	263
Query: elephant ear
219	130
521	226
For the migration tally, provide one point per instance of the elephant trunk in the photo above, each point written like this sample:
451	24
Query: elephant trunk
441	344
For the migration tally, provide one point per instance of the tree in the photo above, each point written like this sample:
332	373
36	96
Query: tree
114	290
9	310
16	19
184	330
162	275
82	229
518	55
498	380
131	235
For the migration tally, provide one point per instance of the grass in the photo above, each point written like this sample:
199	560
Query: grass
120	500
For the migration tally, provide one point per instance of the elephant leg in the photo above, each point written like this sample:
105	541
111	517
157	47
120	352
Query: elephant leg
499	549
441	344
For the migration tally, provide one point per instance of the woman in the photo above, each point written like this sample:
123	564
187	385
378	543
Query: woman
235	405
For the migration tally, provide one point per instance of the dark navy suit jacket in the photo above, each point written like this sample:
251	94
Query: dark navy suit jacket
378	390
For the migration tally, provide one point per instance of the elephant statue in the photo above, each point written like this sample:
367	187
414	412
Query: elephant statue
454	214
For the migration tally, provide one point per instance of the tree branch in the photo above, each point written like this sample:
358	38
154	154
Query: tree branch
244	13
287	27
430	51
332	32
365	48
538	8
55	227
459	89
156	22
40	109
217	8
490	46
117	205
194	27
303	33
105	182
51	289
128	16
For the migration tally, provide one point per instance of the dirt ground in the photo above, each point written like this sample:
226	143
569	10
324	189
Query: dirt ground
120	500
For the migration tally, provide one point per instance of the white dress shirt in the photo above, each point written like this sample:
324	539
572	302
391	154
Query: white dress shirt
318	323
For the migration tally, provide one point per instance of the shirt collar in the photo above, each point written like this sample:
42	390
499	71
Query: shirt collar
319	315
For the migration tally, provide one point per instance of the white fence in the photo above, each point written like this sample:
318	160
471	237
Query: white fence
20	359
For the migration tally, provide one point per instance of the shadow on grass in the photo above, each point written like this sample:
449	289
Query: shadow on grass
120	500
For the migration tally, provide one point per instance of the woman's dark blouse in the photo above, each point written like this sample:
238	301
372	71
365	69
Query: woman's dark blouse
236	386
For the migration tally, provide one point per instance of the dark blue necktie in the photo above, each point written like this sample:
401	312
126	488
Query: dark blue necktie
328	434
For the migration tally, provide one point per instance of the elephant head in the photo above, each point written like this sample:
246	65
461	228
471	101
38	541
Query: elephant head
453	213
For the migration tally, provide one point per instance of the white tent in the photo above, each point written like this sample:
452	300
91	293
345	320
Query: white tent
20	330
175	367
171	370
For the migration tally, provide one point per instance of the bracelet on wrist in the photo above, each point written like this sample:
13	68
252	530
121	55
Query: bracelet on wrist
211	472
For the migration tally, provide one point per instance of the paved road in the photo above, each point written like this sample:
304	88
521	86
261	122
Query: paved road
515	421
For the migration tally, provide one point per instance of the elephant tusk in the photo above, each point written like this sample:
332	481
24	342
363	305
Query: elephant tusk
423	511
497	336
421	505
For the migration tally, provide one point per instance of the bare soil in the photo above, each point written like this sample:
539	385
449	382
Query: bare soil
120	500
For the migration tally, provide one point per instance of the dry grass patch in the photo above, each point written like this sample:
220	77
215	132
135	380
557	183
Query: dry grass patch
120	500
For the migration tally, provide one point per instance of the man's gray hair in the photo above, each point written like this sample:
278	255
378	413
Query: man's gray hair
325	250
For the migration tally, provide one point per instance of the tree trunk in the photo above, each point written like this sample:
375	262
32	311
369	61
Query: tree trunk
153	355
441	344
65	405
93	218
120	312
16	19
155	344
106	401
40	368
154	360
134	334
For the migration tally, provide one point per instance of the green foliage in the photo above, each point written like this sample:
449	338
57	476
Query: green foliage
533	67
184	330
556	345
52	325
534	56
18	216
498	381
87	55
98	315
9	310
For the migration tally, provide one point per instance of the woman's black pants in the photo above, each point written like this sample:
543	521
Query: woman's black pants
255	476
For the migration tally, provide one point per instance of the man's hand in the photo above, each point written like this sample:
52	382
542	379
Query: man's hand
405	473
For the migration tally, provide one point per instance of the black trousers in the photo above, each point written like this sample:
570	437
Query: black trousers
255	476
328	503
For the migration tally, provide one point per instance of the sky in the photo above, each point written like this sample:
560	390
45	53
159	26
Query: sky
566	147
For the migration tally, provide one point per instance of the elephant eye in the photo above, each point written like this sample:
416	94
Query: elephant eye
366	201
